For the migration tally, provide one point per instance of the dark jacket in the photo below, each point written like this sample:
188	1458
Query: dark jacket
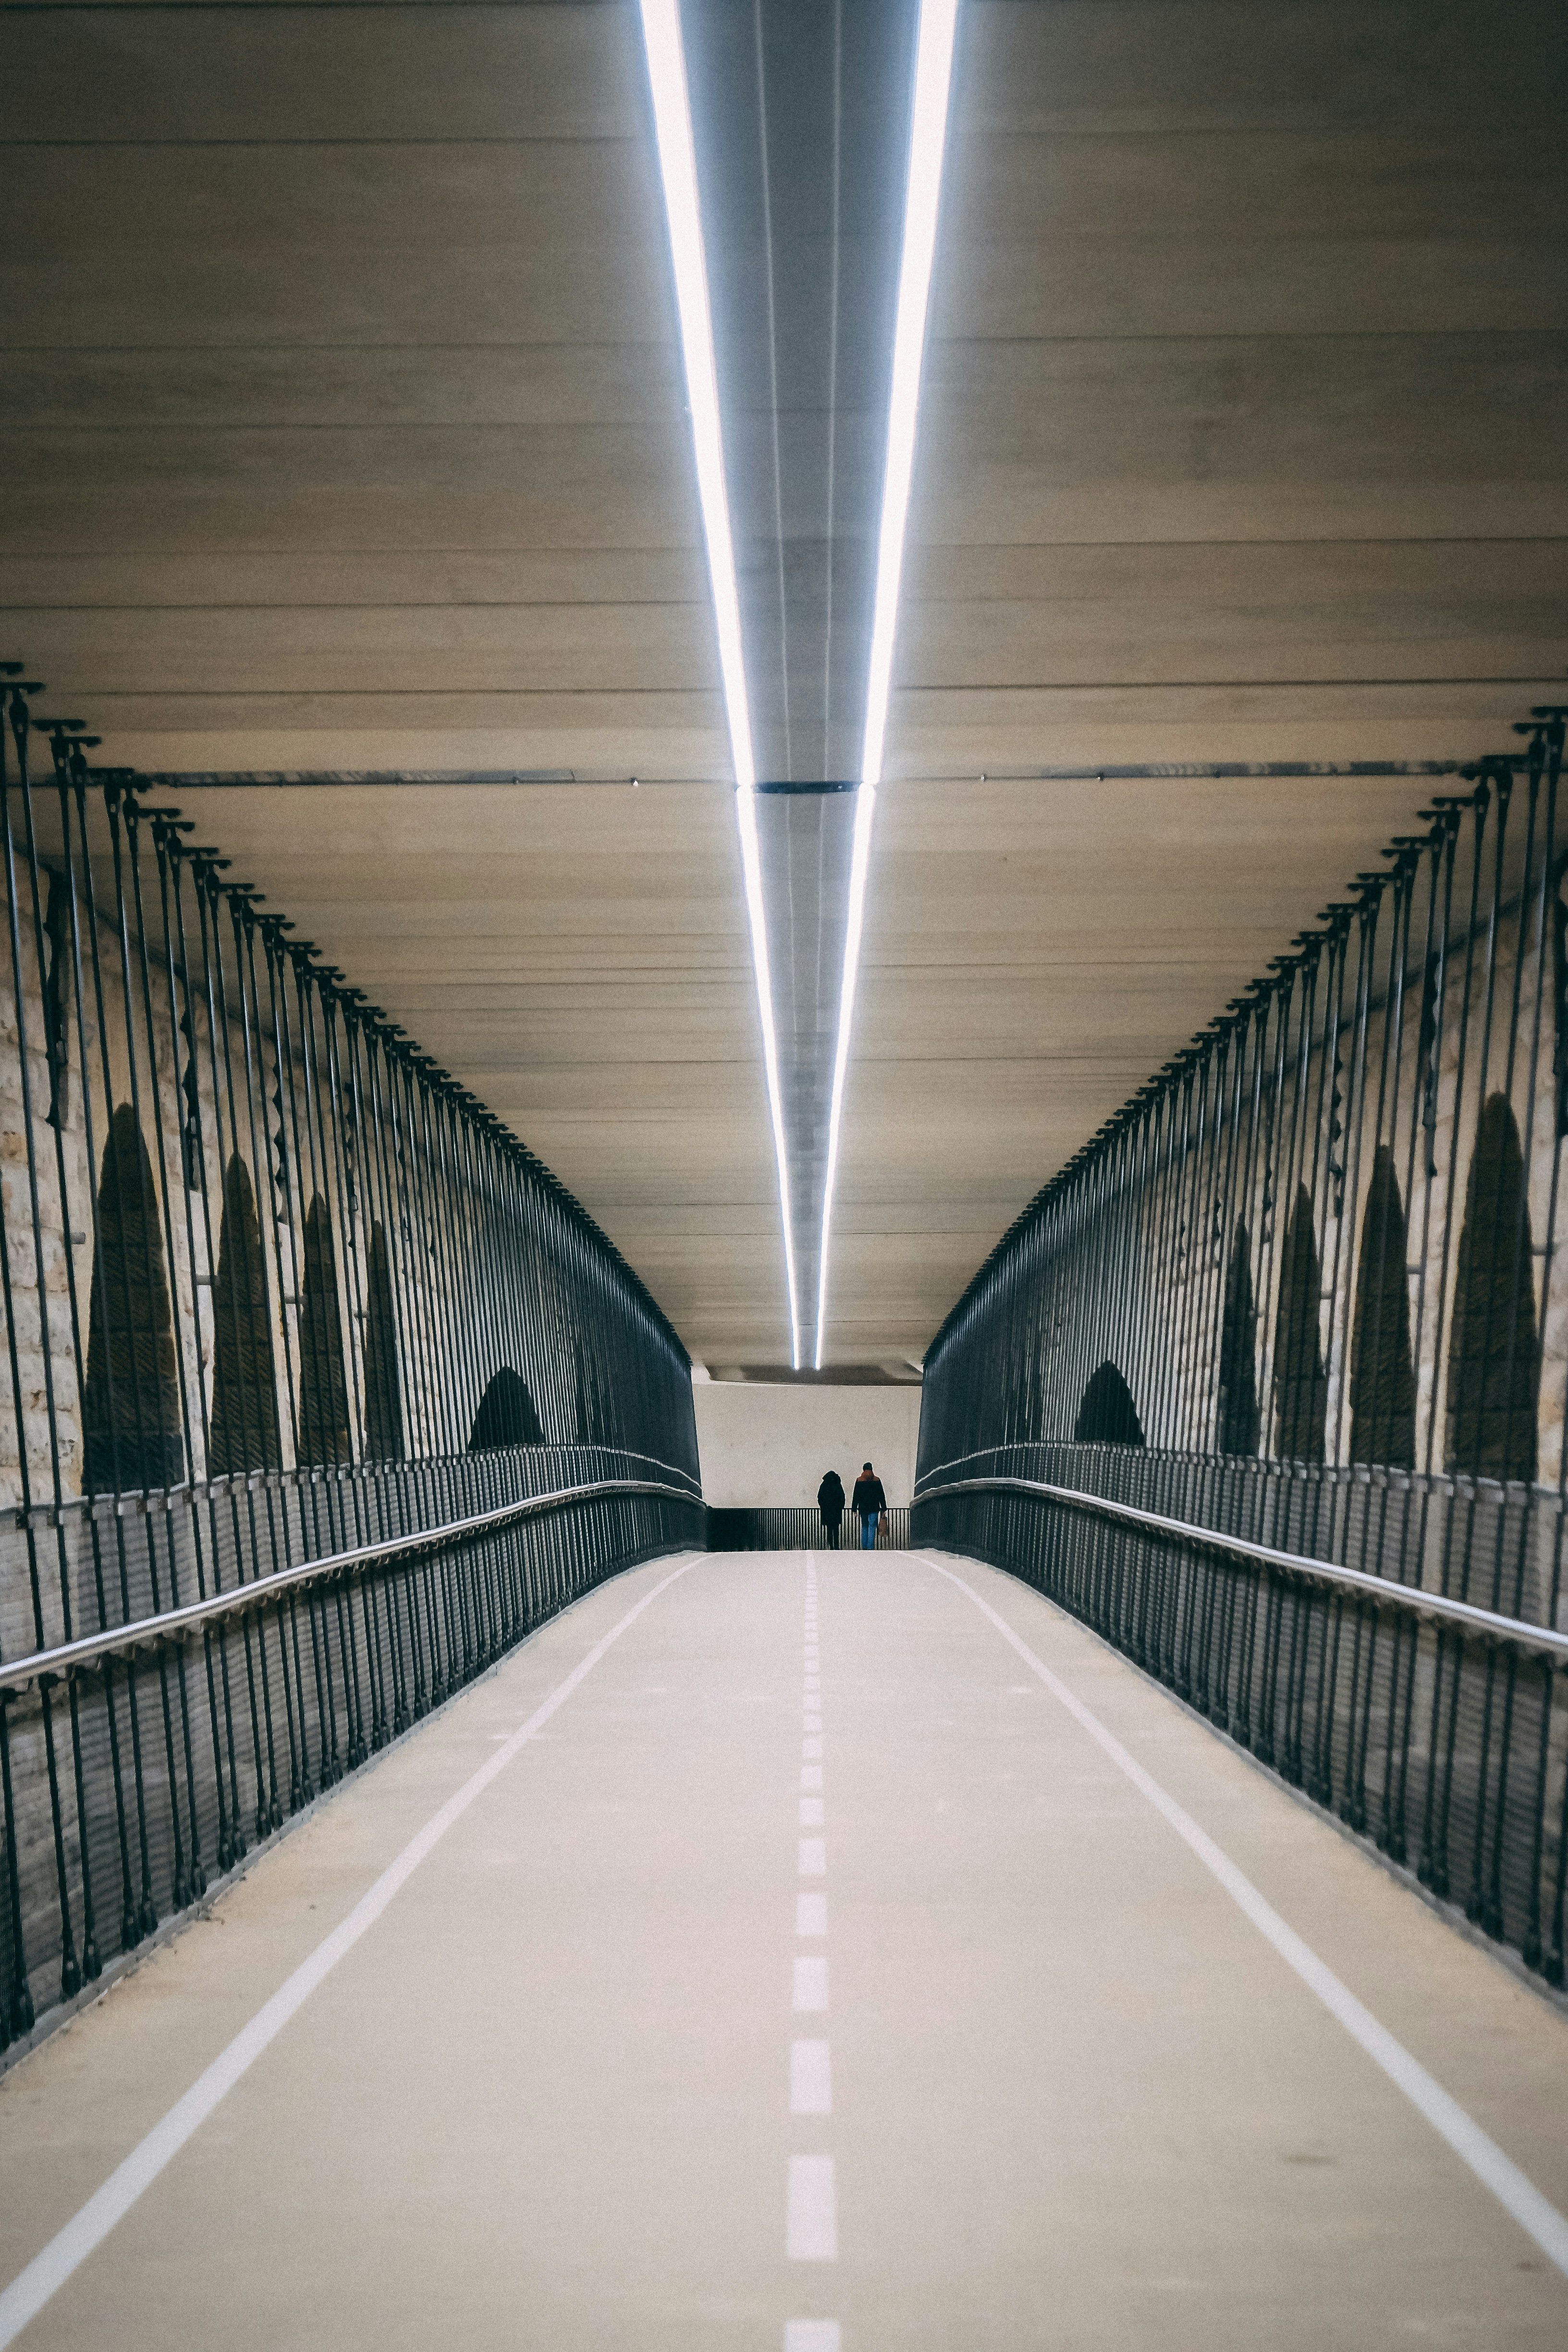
869	1496
830	1499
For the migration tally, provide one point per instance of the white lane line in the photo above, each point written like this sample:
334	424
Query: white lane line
811	1776
810	2079
48	2270
811	1813
811	1747
1513	2189
811	1980
811	2233
811	1914
814	1858
813	2335
811	1721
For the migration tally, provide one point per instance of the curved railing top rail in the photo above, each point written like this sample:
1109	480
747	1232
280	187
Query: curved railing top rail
132	1500
143	1632
1410	1597
1462	1483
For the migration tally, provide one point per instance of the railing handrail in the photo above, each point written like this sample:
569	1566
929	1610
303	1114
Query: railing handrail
1460	1483
141	1631
1412	1596
43	1511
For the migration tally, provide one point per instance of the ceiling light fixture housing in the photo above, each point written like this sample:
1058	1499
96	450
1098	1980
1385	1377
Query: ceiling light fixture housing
678	168
928	139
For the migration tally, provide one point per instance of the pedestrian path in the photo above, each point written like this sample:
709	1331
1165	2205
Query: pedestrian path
817	1951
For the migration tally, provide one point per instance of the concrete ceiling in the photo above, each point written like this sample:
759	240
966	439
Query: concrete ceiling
345	431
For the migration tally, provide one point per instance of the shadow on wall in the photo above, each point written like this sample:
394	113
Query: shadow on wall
1494	1360
1107	1415
507	1414
1300	1381
132	1408
1382	1377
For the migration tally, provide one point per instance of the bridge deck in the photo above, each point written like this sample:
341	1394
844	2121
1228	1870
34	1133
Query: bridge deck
1077	2098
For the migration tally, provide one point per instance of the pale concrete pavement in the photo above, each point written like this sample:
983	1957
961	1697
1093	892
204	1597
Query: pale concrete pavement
1075	2099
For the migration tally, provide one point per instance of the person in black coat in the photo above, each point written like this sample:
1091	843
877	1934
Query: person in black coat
830	1503
870	1502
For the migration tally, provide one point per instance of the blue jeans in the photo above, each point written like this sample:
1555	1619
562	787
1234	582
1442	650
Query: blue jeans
868	1529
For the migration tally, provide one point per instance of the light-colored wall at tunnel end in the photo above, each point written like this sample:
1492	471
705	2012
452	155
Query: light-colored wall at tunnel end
761	1444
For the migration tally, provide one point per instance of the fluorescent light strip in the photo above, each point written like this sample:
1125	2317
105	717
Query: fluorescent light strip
928	135
677	168
752	867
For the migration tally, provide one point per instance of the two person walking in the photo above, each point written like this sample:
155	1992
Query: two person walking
868	1504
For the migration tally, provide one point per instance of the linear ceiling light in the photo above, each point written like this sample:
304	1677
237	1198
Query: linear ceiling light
927	136
677	168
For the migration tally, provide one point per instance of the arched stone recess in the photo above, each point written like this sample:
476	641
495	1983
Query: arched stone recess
1383	1375
1301	1381
382	1392
323	1376
507	1414
1107	1415
1238	1417
132	1427
243	1433
1494	1359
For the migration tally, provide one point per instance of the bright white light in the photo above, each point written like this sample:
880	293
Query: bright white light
859	859
752	867
933	71
677	168
928	135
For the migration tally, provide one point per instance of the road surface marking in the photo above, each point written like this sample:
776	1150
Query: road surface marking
811	1980
1513	2189
811	2233
810	2079
70	2248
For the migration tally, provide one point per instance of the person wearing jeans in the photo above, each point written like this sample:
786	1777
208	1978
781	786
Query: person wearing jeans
870	1502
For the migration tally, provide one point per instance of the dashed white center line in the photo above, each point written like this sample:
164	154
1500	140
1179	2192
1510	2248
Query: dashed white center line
811	2220
810	2079
811	1980
811	2233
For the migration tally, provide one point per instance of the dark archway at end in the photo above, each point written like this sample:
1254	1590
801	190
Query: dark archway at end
507	1414
1107	1415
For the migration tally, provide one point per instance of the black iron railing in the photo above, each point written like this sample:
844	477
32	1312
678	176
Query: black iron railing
1435	1727
279	1292
762	1528
1304	1291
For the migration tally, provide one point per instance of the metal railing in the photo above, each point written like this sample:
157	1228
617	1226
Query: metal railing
1305	1291
764	1527
285	1306
1433	1726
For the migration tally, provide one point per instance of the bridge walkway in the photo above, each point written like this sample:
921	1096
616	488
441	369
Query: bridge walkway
825	1951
